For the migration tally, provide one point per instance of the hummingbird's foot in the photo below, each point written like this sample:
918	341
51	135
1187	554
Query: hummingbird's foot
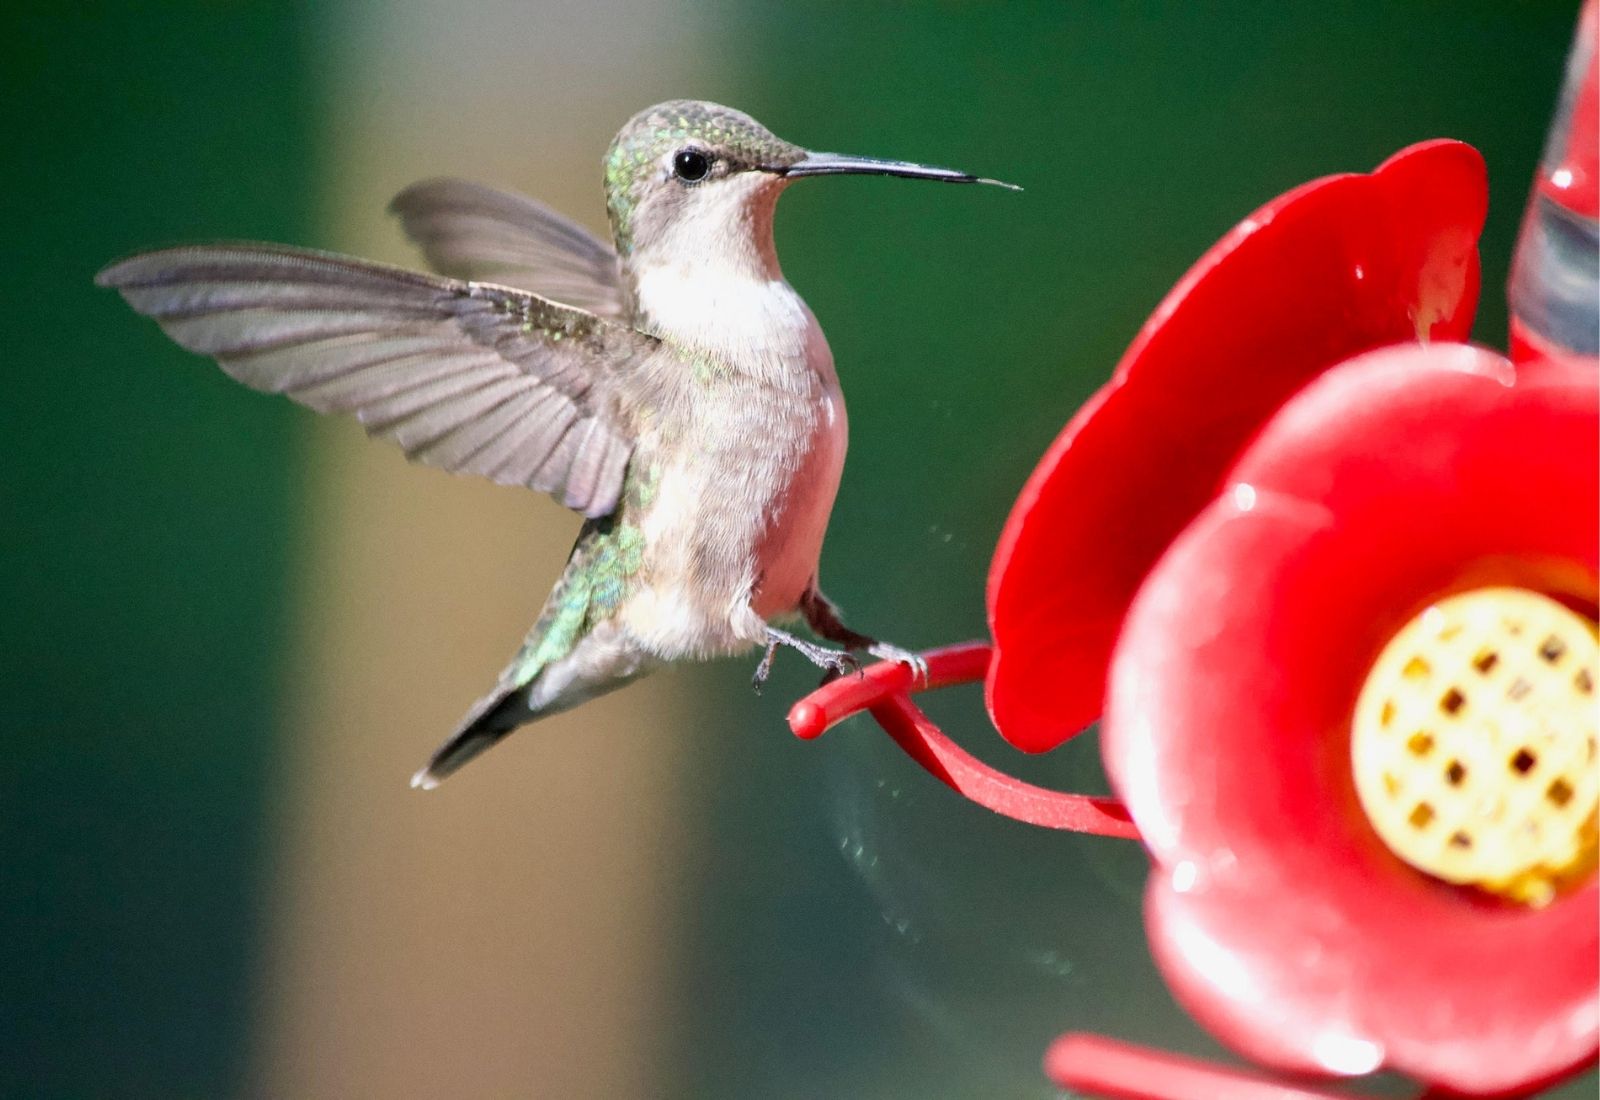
823	617
833	662
764	669
918	664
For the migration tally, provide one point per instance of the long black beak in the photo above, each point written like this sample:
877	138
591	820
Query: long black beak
835	164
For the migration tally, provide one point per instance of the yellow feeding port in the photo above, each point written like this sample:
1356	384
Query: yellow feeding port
1474	743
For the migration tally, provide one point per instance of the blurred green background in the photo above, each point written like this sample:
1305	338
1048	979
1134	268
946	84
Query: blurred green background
231	632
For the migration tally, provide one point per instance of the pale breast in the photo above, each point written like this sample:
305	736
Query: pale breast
744	493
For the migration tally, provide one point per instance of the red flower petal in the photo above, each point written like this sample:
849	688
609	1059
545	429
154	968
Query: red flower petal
1279	917
1336	267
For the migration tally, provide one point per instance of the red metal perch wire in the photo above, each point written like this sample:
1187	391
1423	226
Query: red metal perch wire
884	690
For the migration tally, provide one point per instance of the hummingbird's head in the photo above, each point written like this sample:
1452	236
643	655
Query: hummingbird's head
692	179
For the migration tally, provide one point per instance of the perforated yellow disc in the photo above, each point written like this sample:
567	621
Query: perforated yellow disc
1474	743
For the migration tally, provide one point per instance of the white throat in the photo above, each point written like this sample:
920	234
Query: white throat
728	315
711	283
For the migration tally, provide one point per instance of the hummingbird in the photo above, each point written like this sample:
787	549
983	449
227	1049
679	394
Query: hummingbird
672	389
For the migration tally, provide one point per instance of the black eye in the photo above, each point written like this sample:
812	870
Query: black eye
690	165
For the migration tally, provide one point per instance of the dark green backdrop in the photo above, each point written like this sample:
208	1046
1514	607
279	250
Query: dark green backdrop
146	520
858	929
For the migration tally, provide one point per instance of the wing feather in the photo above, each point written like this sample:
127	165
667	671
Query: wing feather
471	377
406	400
613	472
497	410
237	332
581	475
472	231
551	475
284	370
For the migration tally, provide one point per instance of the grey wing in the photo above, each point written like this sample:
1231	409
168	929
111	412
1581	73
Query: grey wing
475	232
470	377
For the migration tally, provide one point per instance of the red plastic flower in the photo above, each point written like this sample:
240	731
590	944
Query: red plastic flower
1334	268
1280	918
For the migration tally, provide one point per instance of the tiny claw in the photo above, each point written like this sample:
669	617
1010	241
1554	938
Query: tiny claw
915	661
839	664
764	669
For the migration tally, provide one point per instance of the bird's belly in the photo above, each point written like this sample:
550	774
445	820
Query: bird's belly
730	534
788	548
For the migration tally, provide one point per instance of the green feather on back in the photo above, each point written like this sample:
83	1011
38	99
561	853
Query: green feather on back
601	573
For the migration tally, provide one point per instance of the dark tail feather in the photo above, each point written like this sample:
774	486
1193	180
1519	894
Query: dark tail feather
490	719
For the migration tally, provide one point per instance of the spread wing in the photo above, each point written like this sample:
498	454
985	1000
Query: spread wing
470	377
475	232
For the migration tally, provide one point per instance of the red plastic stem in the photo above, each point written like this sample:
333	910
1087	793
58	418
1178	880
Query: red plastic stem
832	703
883	690
1107	1068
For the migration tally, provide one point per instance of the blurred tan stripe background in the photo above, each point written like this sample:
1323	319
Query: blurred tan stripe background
504	935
